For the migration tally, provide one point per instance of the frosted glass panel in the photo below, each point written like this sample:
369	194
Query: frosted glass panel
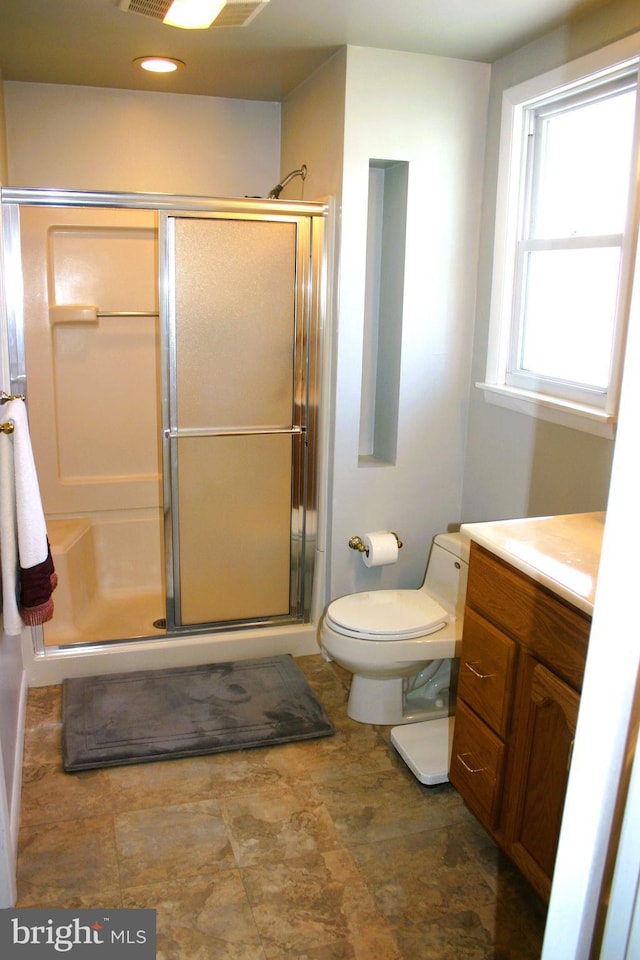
235	527
235	309
239	317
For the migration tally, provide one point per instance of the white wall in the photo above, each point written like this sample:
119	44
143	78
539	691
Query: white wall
431	113
517	466
13	696
90	138
12	674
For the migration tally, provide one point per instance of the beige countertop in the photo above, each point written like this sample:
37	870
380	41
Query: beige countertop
562	553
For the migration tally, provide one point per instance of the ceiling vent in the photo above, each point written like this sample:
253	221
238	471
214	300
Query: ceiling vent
236	13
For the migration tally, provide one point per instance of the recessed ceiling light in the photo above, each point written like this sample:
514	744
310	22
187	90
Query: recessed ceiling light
159	64
193	14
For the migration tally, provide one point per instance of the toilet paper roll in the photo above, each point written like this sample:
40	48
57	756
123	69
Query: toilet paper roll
382	547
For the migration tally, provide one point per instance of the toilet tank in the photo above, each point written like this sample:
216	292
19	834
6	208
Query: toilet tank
447	569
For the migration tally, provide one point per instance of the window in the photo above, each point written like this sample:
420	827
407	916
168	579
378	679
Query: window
565	230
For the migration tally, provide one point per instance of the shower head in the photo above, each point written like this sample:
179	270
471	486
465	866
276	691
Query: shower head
275	192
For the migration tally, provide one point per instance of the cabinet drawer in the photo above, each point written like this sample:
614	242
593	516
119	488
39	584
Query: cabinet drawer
477	758
487	667
553	630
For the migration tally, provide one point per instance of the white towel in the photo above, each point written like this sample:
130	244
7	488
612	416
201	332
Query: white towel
8	538
36	578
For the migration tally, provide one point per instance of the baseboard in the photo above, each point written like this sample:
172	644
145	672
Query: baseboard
10	805
18	756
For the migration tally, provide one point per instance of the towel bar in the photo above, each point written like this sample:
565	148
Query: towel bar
88	313
6	397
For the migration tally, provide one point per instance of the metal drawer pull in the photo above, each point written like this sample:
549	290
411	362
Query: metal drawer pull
459	756
476	673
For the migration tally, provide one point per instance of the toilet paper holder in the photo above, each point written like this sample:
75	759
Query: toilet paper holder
356	543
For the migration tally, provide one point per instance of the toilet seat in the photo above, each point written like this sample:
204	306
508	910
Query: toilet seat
387	615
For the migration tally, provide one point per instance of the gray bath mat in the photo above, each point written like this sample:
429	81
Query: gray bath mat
186	712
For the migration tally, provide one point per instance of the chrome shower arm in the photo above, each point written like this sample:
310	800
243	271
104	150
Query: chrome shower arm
275	192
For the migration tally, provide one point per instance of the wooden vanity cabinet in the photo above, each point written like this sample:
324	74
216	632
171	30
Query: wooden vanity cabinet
521	667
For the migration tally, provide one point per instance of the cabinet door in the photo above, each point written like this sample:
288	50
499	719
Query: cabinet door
545	723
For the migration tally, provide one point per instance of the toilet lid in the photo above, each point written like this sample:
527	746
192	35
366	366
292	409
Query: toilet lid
380	614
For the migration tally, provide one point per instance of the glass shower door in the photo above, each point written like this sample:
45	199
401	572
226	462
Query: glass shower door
235	357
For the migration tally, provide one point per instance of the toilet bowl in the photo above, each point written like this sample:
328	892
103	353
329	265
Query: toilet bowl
400	644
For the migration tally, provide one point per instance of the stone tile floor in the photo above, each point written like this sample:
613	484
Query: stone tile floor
320	850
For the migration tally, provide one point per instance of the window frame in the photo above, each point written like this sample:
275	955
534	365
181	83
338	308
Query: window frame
573	408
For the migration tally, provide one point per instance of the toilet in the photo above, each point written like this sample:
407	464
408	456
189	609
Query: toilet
400	645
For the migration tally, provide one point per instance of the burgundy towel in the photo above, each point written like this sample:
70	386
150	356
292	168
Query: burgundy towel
37	583
28	576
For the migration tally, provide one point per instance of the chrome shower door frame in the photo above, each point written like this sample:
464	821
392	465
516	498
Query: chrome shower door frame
307	220
310	279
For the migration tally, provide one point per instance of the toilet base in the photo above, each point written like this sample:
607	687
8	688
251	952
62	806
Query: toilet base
375	701
382	701
426	749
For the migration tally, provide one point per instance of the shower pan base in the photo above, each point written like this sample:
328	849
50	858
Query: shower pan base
109	583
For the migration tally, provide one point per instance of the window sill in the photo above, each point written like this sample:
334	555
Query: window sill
577	416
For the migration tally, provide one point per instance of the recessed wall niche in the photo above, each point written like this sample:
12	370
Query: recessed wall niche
384	294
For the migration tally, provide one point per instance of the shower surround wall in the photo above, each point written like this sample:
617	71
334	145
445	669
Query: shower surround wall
94	410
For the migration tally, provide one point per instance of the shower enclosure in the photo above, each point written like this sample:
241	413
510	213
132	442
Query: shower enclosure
168	350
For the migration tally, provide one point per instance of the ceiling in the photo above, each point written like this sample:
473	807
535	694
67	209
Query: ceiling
93	42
